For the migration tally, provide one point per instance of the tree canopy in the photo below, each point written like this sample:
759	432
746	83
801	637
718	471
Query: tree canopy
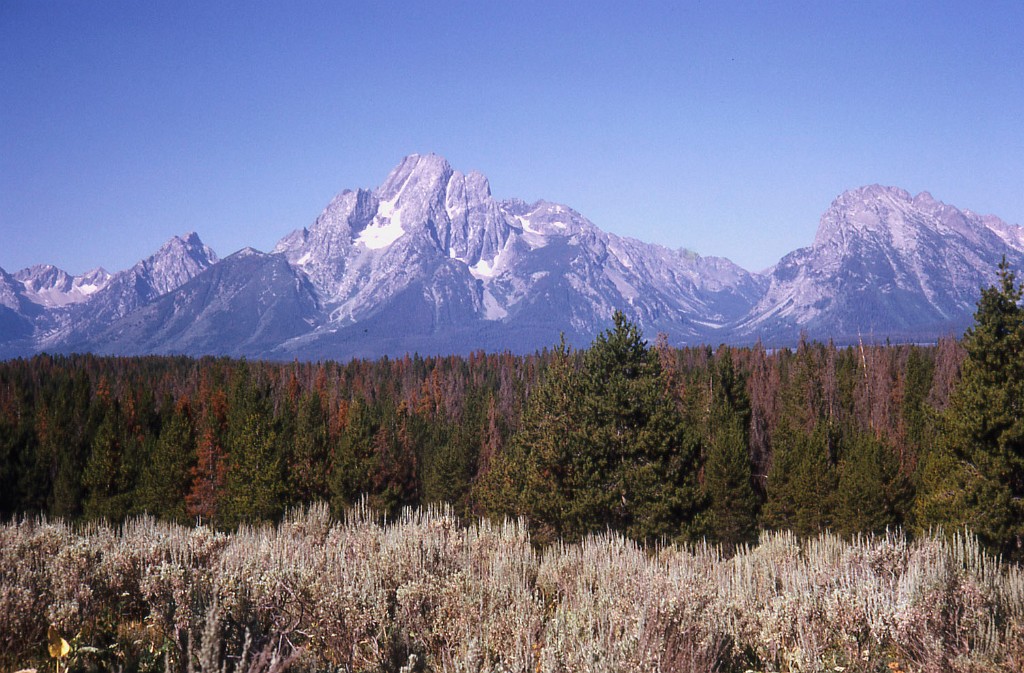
602	445
974	477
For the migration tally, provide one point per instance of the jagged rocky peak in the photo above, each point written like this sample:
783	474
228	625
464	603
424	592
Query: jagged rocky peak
418	175
478	228
926	201
247	251
464	192
94	277
188	245
422	204
551	219
45	277
175	263
892	216
887	261
1011	234
50	286
48	276
865	210
347	213
430	260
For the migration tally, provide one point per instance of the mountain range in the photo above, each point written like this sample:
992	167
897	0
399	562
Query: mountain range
431	262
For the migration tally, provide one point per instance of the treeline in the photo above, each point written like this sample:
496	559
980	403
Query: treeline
657	442
232	441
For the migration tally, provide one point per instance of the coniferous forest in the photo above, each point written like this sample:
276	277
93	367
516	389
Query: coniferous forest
657	444
651	441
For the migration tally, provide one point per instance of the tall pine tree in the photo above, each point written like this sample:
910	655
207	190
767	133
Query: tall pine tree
167	477
604	447
975	477
802	481
873	492
255	484
353	460
310	451
732	502
533	477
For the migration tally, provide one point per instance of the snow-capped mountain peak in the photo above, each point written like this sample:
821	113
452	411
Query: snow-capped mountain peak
433	234
430	261
49	286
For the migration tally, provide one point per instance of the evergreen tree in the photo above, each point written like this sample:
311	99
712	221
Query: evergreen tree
23	485
802	479
310	455
533	477
801	482
167	477
254	488
603	447
352	464
209	474
732	502
10	452
67	440
975	477
633	425
918	419
449	468
105	477
393	466
873	492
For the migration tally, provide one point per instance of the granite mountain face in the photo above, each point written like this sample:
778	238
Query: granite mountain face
431	262
432	243
75	325
50	287
884	264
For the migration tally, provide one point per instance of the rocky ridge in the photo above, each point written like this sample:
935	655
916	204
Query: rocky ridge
430	261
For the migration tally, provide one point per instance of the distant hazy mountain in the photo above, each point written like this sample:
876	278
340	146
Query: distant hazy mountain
75	325
884	264
48	286
431	262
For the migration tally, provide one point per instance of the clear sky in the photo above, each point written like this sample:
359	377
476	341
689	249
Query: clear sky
723	127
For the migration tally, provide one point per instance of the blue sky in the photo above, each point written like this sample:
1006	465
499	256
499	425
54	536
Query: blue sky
724	127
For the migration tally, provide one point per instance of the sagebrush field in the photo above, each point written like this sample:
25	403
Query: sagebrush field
428	593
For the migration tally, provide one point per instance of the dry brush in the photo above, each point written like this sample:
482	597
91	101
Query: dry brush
428	593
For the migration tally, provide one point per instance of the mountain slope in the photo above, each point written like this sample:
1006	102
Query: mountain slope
430	261
243	306
16	325
433	242
75	325
884	264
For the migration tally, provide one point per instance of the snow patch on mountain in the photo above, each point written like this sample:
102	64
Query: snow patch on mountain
486	268
429	260
384	229
51	287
